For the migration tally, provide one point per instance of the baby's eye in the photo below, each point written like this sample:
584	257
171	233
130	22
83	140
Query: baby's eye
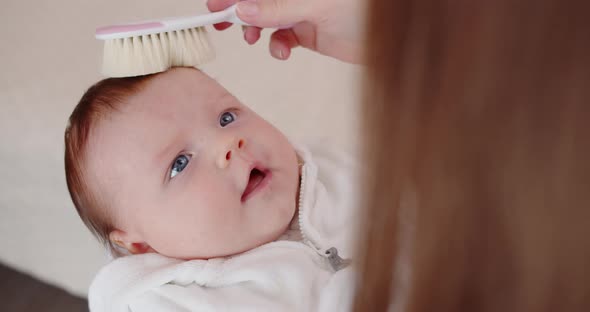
179	164
227	118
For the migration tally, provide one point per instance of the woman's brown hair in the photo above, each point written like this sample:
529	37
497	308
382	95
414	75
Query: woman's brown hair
101	99
480	109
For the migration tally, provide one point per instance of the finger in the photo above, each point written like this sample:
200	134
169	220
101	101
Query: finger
251	34
222	26
218	5
274	13
281	43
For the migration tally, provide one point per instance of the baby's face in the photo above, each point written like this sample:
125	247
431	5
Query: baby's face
191	172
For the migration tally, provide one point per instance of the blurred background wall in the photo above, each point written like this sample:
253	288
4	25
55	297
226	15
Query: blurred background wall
48	57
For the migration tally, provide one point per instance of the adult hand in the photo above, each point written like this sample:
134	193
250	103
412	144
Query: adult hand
331	27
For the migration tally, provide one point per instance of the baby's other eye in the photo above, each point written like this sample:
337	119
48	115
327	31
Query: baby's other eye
179	164
227	118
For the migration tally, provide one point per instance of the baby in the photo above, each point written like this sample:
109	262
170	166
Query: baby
211	207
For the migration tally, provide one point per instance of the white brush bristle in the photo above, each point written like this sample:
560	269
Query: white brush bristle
148	54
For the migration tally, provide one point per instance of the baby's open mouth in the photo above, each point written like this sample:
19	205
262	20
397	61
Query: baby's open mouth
257	180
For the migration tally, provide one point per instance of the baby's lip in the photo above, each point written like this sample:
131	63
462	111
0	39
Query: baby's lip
257	179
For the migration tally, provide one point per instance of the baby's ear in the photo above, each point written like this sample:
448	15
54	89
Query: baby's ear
122	240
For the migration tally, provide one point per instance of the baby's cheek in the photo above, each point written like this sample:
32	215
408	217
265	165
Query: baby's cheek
217	200
279	202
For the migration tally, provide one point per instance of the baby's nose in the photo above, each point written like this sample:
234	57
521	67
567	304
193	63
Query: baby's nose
225	157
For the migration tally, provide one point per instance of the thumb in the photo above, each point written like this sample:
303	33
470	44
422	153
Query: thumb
274	13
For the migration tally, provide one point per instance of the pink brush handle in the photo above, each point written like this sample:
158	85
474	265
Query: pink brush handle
126	28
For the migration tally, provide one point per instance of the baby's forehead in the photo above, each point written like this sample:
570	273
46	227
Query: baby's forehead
178	90
173	101
184	74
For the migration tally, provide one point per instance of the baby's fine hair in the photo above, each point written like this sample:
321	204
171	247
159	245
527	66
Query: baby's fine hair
101	99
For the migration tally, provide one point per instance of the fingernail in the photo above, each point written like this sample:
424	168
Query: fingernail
247	8
246	35
278	53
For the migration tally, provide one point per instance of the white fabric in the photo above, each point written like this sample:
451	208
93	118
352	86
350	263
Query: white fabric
278	276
